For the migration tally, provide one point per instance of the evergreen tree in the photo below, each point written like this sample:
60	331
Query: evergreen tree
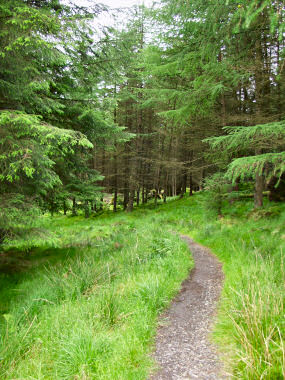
258	152
46	108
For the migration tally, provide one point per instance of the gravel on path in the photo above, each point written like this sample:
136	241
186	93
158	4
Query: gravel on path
183	350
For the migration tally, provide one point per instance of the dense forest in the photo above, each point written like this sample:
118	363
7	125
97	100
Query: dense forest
160	104
175	100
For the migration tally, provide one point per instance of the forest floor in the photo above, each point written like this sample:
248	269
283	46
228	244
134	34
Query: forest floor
183	349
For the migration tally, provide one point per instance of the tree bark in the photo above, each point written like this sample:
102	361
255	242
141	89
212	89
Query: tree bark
115	200
145	197
130	205
126	198
184	185
101	204
74	207
190	184
155	198
86	209
64	207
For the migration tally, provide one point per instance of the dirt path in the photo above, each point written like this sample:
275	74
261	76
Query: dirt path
183	350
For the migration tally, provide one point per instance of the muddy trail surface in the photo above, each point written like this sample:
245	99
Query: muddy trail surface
183	349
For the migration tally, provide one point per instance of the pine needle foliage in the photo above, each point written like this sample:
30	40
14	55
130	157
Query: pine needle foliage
27	146
268	164
261	136
262	145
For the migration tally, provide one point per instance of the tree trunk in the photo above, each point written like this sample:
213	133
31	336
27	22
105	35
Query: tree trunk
155	198
145	197
115	200
190	184
174	184
132	182
52	205
130	206
86	209
64	207
184	185
115	183
101	204
201	185
115	160
126	198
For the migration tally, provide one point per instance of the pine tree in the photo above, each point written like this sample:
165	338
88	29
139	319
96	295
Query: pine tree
258	152
41	123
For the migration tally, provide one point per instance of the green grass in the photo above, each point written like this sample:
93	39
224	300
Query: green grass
83	302
250	328
87	307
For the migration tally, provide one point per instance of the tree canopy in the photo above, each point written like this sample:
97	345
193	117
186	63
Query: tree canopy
148	107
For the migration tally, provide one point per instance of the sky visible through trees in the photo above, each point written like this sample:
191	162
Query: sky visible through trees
109	109
158	103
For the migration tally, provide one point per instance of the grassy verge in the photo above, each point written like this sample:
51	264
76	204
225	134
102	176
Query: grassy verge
251	323
87	306
84	304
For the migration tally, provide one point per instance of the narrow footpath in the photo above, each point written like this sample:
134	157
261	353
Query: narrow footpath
183	350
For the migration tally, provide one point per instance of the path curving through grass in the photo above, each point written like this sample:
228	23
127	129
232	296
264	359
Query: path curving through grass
183	349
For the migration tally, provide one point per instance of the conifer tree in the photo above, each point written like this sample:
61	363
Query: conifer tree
258	153
46	112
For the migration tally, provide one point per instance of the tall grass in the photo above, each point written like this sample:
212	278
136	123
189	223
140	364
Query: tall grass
250	326
84	303
90	312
